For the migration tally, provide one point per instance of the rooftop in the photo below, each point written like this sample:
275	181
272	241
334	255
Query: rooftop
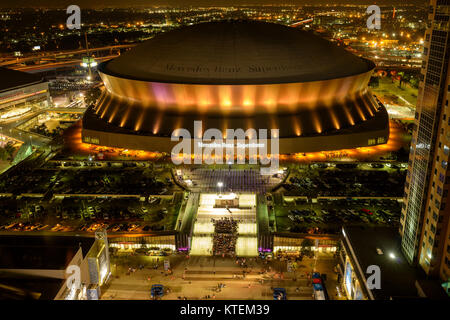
236	52
23	287
398	278
40	252
12	79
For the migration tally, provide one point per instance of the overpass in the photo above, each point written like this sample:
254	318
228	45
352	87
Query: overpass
55	55
56	65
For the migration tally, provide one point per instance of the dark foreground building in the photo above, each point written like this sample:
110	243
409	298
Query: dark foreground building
37	267
364	249
20	93
233	75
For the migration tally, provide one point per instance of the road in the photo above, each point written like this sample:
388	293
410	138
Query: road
197	277
15	60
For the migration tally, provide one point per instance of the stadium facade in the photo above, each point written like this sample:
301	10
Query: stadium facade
237	74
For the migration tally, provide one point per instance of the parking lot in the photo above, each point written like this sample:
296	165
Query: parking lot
329	215
347	179
90	214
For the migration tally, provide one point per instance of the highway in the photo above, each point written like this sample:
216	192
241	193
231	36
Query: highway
55	65
7	61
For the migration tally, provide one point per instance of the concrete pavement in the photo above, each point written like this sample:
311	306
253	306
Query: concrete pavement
198	277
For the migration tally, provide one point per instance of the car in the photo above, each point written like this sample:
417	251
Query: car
133	227
33	227
279	294
12	225
154	200
157	291
57	227
364	219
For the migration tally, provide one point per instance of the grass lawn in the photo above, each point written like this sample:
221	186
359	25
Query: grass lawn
390	93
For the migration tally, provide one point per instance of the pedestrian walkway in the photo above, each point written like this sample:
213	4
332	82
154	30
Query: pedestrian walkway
225	231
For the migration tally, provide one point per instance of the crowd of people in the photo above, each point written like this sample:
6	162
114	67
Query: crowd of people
225	237
225	225
224	244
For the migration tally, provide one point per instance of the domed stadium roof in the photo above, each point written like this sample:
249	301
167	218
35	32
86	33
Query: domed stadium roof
236	52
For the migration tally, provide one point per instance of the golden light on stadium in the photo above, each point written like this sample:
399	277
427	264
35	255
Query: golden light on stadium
172	80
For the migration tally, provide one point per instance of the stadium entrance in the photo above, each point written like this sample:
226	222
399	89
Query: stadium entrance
225	225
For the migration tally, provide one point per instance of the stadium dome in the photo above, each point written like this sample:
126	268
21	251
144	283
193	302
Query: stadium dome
237	74
237	53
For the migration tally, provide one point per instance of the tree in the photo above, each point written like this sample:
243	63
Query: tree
143	243
10	149
92	95
374	82
3	154
307	244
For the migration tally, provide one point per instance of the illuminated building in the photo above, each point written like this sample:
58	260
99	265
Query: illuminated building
20	93
234	75
425	225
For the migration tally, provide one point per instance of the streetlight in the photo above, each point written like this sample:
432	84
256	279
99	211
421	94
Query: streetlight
220	185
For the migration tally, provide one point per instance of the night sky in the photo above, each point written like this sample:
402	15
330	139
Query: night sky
150	3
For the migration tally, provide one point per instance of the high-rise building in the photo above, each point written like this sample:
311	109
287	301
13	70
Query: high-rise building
425	226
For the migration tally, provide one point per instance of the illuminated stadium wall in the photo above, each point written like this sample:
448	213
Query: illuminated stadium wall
316	106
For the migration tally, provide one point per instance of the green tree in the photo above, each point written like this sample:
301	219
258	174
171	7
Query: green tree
10	149
307	244
92	95
374	82
3	154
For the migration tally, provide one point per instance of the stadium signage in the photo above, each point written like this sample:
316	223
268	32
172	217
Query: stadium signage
211	147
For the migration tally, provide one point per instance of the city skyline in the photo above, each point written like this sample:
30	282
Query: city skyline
176	3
